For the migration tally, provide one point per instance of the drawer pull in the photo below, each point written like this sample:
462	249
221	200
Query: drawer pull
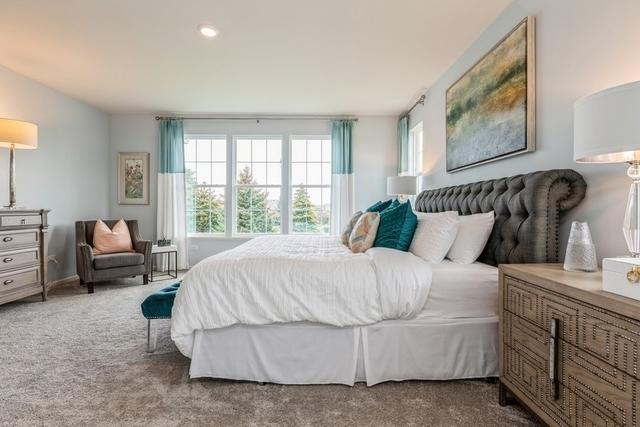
7	239
7	260
633	275
7	282
553	357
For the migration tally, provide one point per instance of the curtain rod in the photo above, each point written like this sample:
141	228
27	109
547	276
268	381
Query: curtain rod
419	101
257	118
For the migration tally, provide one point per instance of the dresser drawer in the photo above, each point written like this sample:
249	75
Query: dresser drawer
539	306
525	375
19	259
19	220
585	397
17	239
606	393
527	338
613	339
17	279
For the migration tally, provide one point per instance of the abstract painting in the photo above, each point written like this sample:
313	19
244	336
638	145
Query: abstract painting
133	178
490	110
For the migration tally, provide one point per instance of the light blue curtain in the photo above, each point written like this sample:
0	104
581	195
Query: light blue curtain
403	144
171	146
172	209
342	186
341	157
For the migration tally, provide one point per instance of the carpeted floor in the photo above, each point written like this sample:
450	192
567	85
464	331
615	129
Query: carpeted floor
80	359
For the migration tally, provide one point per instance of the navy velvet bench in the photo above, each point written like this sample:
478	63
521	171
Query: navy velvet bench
158	305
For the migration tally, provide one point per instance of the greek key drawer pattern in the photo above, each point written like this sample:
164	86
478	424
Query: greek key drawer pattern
613	339
524	373
590	392
610	392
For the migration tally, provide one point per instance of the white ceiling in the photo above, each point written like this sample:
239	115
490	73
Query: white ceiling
272	56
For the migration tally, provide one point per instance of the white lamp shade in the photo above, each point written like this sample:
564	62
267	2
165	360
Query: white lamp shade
18	134
606	126
405	185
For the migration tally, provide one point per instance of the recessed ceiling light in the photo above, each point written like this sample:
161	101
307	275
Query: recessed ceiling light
207	31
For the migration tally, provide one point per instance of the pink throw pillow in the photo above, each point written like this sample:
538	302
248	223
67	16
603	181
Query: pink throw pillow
108	241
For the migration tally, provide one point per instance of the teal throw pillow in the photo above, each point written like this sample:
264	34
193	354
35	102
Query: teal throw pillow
379	206
397	225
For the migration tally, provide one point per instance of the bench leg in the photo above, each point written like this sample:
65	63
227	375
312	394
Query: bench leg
89	287
151	338
145	279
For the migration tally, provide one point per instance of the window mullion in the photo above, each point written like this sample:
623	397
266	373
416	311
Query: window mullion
230	194
285	191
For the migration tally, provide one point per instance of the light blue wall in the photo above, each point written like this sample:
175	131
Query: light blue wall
68	171
134	132
583	46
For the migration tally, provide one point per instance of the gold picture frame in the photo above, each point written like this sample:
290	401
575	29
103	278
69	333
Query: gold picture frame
133	178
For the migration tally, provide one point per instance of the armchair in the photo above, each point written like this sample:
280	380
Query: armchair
93	268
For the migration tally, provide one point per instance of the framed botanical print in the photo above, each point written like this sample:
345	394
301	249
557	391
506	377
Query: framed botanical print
133	178
490	110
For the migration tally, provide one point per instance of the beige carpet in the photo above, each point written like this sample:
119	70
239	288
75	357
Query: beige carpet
80	359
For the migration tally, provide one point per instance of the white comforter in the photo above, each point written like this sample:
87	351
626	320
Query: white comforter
298	278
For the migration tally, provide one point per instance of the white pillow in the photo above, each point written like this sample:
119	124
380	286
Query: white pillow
472	237
434	235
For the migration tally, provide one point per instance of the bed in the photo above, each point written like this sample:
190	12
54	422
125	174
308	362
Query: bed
387	315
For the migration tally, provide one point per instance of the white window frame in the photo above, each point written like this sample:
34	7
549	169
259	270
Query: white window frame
291	186
226	186
234	185
416	150
230	188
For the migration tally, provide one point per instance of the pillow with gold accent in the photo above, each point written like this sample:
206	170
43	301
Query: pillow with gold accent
364	233
344	237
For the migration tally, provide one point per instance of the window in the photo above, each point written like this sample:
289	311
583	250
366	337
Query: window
310	184
249	184
206	179
258	185
415	150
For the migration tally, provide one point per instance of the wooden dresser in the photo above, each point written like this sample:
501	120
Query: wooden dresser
23	253
569	351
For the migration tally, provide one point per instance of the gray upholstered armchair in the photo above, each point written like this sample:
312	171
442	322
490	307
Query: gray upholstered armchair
95	268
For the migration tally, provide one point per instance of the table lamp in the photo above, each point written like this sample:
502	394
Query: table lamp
16	134
401	186
607	130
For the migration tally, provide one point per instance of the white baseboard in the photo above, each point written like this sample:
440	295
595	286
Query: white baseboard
63	281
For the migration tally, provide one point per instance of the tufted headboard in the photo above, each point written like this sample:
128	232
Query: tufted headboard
527	209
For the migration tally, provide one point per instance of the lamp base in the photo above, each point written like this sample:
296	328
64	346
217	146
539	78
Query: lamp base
12	177
631	224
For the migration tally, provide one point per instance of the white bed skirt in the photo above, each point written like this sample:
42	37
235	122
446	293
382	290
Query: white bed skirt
304	353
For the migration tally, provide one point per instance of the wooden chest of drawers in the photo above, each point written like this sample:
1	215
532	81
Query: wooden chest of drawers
23	253
569	351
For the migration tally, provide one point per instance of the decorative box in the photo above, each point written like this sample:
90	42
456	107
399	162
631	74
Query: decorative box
621	276
164	242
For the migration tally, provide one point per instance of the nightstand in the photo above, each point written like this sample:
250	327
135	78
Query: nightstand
162	251
569	351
